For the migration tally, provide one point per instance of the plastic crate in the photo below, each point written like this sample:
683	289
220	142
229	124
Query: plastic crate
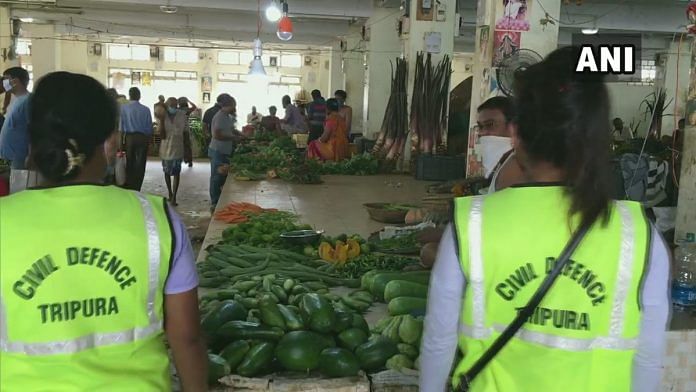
300	139
440	167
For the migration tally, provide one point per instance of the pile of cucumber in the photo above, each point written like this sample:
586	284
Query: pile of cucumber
406	332
226	265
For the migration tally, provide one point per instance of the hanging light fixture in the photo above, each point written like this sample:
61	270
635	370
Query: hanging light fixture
273	13
257	73
285	25
591	30
256	66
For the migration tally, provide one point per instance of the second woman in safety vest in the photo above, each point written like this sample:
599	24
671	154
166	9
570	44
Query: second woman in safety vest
601	326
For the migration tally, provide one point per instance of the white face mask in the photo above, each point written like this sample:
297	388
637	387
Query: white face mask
492	149
7	85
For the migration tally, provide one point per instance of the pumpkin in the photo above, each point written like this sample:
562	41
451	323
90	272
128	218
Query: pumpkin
353	249
341	253
326	252
414	216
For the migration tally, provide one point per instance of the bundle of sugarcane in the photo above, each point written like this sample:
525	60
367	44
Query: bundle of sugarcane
392	136
429	104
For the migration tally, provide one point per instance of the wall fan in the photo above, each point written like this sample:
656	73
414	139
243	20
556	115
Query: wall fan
517	61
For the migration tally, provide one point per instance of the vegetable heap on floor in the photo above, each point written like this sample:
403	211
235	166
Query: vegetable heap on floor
270	308
239	212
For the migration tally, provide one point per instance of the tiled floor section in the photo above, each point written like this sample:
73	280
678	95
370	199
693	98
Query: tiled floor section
334	206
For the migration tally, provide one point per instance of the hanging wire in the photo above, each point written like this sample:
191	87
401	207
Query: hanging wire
258	19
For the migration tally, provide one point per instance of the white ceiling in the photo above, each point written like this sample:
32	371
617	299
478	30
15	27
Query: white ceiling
317	22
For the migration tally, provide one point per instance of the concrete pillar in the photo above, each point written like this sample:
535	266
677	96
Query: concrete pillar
686	204
336	77
384	46
676	82
5	38
353	60
46	51
542	38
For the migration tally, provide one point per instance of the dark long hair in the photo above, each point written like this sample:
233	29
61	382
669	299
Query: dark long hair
68	112
562	119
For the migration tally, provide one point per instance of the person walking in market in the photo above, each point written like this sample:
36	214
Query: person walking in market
14	136
224	135
173	128
136	124
188	108
208	116
88	293
601	325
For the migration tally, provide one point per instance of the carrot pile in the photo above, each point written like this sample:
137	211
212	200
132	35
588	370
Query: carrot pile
239	212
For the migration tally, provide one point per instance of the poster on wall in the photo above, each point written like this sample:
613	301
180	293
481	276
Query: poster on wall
514	16
146	78
505	44
485	80
207	84
484	39
119	81
206	97
494	89
135	78
691	95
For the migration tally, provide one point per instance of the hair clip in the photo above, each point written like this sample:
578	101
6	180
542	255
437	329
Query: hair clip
74	160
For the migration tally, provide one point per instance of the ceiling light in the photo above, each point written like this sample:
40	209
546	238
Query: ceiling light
168	9
285	25
27	20
273	13
590	31
256	67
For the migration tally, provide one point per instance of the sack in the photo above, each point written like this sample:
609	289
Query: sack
23	179
120	168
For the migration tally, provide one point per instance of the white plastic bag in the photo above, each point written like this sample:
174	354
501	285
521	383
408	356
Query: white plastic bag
23	179
120	168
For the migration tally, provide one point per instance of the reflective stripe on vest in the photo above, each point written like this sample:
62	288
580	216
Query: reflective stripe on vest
101	339
623	280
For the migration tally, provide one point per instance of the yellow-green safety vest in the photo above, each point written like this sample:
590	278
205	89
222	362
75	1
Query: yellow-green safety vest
82	273
583	335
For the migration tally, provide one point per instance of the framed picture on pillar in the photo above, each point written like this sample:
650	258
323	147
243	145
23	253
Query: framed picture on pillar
505	43
482	12
484	43
514	17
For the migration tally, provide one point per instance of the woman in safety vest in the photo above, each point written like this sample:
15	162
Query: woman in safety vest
92	277
601	326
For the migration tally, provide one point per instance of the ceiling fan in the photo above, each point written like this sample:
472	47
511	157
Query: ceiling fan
169	8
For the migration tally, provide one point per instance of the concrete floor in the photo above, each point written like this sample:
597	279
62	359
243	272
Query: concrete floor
193	198
334	206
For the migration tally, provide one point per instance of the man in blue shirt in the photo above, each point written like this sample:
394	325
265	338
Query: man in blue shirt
14	136
136	124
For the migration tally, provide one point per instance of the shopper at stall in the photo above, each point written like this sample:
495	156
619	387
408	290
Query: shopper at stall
293	122
173	128
254	118
208	117
188	108
271	123
111	271
345	111
14	136
136	124
160	107
601	326
316	115
333	143
225	134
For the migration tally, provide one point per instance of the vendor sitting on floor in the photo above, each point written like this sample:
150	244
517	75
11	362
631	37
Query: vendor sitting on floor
333	143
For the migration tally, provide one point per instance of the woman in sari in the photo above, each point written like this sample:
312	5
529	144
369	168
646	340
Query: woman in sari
333	143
